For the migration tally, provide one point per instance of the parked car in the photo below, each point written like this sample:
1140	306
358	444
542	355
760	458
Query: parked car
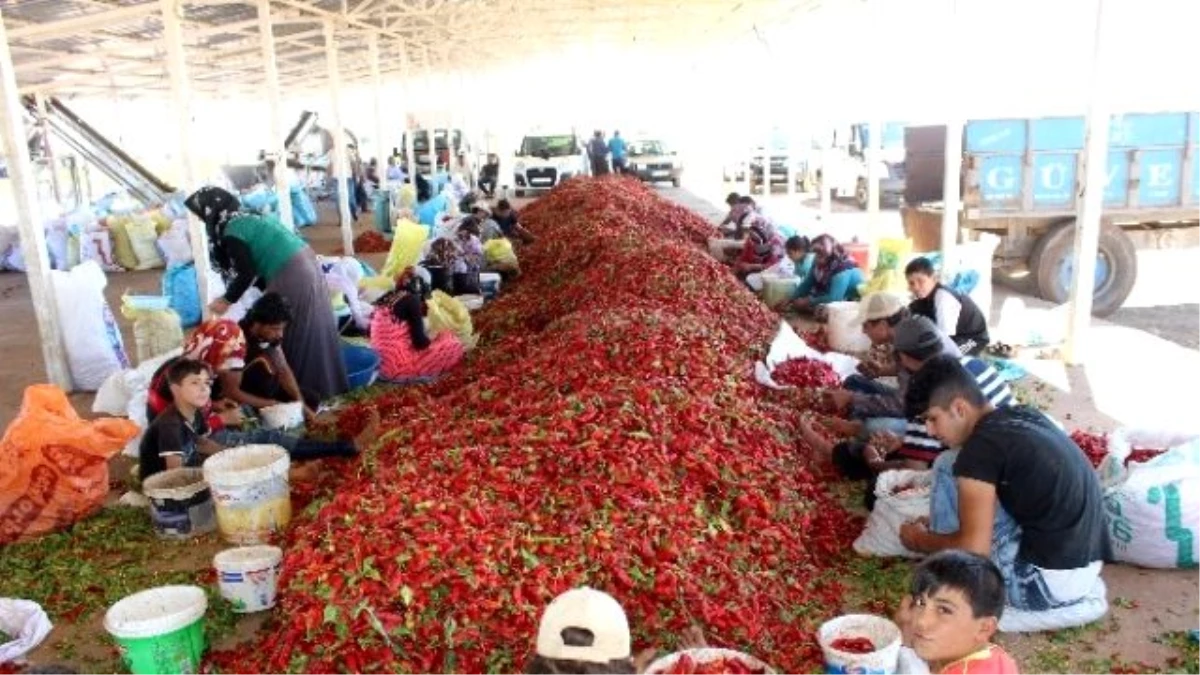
652	162
545	160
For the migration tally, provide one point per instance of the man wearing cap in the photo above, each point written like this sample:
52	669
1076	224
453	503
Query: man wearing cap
488	228
879	313
585	631
883	422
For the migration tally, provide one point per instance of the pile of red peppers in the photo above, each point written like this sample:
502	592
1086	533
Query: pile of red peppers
605	432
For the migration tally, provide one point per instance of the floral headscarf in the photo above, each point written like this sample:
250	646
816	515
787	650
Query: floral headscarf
831	260
216	207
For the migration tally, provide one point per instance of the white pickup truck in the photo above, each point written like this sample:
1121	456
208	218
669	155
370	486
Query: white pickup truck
545	160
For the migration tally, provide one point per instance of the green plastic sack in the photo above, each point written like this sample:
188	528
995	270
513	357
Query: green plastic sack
499	255
407	242
888	276
143	237
122	245
447	313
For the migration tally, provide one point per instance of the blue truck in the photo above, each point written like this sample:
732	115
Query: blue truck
1021	180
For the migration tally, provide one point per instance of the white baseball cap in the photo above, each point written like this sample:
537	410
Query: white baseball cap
879	306
590	610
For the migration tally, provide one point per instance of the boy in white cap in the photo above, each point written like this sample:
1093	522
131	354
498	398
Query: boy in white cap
585	631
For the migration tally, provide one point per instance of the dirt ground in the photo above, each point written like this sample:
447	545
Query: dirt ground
1149	608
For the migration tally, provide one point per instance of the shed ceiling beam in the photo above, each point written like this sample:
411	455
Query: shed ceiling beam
80	24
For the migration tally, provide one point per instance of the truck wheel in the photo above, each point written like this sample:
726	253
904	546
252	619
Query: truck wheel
520	193
675	182
1052	264
861	194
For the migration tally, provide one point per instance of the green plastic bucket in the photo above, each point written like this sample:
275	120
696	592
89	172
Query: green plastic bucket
160	630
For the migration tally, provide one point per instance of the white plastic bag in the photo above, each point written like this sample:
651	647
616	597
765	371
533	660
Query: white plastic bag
112	397
237	311
901	496
788	345
175	245
25	623
90	333
1153	506
845	328
1089	608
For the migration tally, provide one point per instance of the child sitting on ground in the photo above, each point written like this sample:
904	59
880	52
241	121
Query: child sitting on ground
952	612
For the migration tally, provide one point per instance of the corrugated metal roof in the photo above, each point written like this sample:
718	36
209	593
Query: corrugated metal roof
57	43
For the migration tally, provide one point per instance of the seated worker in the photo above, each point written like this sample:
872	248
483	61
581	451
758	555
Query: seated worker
798	264
835	277
879	314
179	435
763	247
509	221
878	421
951	613
489	176
489	229
955	313
884	450
398	334
429	205
250	365
584	630
1019	492
729	224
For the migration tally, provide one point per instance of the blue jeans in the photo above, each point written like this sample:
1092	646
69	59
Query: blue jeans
298	448
1024	585
860	384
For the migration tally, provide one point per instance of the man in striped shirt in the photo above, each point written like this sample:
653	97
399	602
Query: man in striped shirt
918	341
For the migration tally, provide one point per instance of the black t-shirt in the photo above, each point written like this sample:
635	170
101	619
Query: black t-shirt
507	223
170	435
1045	483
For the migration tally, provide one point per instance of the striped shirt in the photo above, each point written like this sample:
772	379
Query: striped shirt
920	446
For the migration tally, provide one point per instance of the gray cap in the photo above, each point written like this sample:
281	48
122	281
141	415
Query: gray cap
915	334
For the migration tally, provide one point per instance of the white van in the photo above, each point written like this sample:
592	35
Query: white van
545	160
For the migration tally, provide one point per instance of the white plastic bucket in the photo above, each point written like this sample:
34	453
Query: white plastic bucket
845	328
883	633
160	630
181	503
706	655
471	302
247	576
250	488
489	284
283	415
778	289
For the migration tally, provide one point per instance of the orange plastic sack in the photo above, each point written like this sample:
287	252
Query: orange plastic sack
54	465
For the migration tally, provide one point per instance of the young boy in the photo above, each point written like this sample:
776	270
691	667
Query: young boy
955	313
179	435
953	610
797	251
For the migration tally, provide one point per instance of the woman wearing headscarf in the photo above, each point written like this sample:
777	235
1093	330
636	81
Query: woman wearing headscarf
835	277
398	334
248	249
763	247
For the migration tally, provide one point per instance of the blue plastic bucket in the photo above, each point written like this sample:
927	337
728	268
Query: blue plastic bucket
362	365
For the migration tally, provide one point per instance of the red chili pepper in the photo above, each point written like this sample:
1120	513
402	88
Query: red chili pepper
853	645
605	432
